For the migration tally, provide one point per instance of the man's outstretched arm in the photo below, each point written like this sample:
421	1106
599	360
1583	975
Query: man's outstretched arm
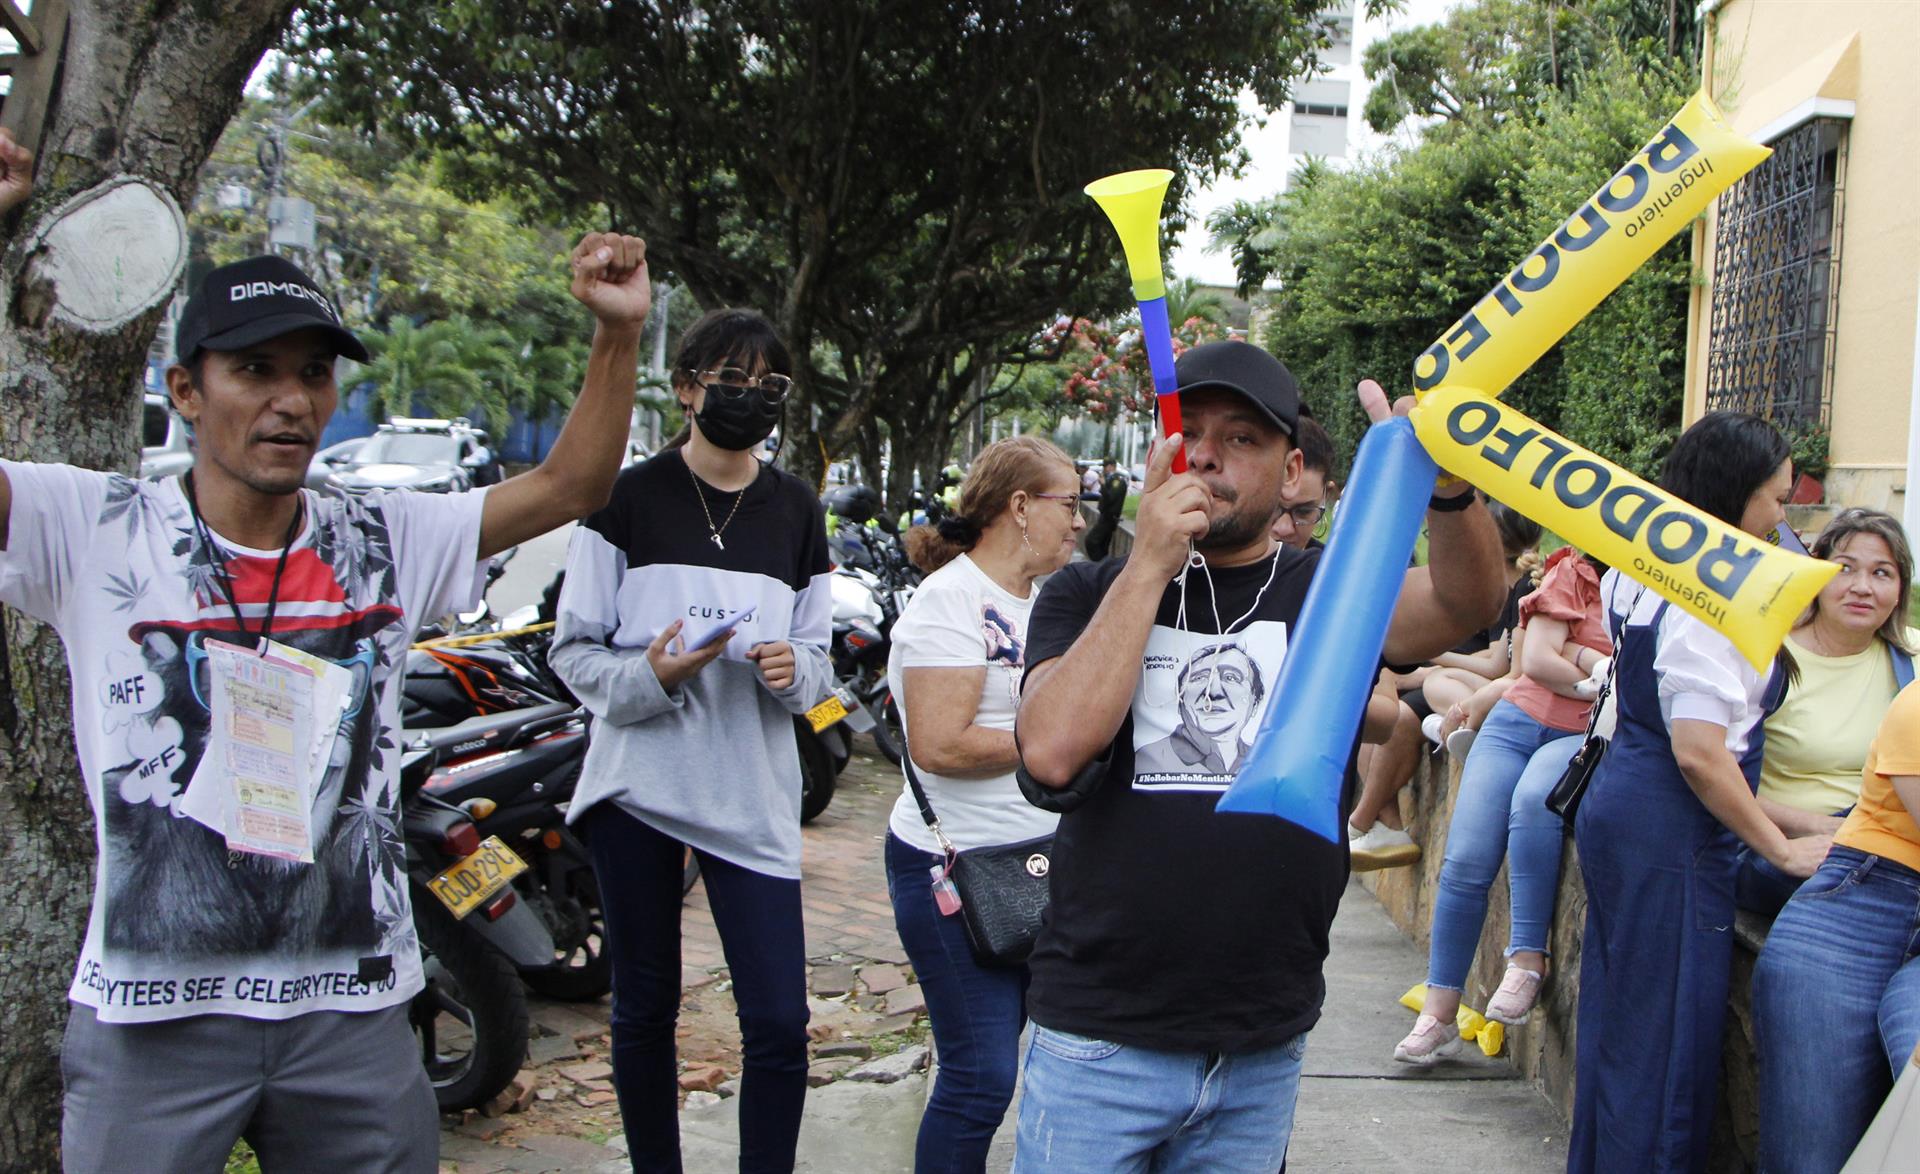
610	277
1461	589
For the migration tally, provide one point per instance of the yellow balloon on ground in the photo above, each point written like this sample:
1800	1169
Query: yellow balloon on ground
1132	201
1661	189
1747	589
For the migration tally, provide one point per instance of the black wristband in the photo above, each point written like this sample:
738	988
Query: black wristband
1450	505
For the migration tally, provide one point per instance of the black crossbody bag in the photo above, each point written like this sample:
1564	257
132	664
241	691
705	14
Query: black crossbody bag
1002	888
1564	799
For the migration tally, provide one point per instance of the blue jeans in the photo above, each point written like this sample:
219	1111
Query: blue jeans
758	917
1500	814
976	1011
1836	1008
1761	888
1095	1107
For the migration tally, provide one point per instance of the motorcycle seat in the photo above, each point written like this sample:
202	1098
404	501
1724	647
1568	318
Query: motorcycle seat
489	731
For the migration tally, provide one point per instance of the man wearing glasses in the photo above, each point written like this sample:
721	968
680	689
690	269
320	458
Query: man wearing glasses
226	989
1179	969
1301	511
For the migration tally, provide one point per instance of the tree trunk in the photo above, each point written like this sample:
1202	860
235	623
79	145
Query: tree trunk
145	91
872	467
900	470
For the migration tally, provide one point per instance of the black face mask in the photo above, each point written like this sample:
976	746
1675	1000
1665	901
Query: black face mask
737	422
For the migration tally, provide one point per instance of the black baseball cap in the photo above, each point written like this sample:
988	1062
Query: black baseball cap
1244	368
254	300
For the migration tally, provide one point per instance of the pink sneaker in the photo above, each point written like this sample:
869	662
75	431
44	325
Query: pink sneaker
1513	1002
1428	1043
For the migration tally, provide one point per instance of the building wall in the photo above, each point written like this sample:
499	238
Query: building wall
1765	59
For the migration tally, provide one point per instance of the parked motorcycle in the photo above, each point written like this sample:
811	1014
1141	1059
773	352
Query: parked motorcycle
471	1016
863	616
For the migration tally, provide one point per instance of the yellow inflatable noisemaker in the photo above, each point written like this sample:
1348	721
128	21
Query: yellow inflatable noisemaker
1749	589
1661	189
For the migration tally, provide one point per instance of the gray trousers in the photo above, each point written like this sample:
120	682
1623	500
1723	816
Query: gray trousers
325	1091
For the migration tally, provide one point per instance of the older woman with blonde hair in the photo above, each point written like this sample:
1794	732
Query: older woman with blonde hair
959	650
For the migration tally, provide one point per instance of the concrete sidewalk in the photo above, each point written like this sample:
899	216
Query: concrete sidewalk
1361	1111
1358	1110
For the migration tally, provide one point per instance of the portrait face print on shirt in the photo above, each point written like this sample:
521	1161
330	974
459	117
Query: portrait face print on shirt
1218	689
1199	702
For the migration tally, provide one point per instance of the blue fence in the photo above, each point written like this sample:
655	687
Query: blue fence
526	442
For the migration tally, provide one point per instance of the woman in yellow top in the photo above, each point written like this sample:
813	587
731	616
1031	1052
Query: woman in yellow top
1853	653
1836	993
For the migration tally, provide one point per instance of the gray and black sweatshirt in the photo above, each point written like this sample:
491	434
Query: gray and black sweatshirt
712	763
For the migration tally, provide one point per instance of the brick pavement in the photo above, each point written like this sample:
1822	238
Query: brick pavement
843	883
567	1121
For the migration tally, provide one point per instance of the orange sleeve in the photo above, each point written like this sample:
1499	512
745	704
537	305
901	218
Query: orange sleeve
1897	747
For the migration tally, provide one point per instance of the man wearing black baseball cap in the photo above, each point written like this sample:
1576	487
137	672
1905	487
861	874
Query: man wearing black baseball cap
254	301
1183	948
248	965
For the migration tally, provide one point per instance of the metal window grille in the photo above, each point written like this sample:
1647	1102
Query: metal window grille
1776	265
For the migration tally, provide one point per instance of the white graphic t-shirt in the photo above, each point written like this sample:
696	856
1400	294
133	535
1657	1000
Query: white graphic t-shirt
960	618
181	925
1199	704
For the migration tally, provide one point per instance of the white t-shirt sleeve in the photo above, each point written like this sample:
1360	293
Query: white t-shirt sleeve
56	510
1702	676
941	628
436	551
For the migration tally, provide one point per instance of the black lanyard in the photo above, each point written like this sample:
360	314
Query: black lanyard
220	566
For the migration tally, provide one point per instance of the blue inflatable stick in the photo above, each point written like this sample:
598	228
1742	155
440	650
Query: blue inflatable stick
1298	761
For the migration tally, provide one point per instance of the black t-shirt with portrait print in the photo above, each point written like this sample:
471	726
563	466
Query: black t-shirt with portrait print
1172	926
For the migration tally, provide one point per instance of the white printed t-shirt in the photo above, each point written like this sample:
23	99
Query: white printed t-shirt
960	618
180	926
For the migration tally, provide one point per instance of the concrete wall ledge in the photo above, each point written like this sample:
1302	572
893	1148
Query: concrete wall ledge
1543	1048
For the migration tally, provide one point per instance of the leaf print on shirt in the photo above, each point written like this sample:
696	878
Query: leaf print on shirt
124	501
129	591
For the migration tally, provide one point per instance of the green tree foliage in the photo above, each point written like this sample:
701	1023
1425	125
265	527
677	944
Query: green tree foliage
1493	58
397	248
1105	369
1373	263
897	186
446	368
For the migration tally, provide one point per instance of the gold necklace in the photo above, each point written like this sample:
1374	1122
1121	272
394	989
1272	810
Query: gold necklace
714	535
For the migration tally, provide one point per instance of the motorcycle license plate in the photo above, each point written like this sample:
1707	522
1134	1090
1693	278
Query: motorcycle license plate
467	884
826	713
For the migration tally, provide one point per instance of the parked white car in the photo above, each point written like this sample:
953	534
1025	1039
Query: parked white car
166	447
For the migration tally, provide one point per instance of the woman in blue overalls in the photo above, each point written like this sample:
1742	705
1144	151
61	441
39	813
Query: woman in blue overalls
1658	833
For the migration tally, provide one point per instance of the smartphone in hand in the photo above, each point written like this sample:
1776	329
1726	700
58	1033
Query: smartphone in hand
693	642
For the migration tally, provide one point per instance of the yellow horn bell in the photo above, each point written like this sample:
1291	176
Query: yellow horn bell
1132	201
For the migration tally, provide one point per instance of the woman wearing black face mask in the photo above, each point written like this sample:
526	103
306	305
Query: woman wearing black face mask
694	746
